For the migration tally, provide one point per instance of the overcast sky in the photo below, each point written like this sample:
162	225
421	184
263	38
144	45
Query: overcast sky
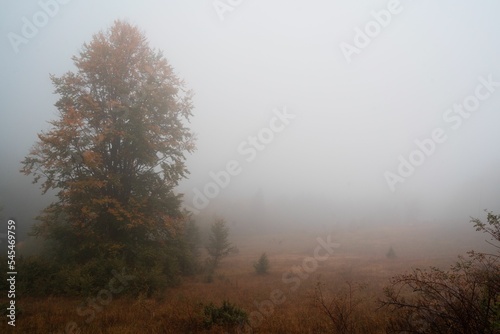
358	94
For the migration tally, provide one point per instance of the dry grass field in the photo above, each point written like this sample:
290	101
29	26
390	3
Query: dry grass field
283	301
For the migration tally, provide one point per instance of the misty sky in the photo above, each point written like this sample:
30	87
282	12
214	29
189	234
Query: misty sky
352	116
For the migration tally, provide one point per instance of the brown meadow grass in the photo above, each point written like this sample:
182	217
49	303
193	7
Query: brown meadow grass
360	260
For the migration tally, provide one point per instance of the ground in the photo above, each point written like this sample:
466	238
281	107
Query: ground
282	301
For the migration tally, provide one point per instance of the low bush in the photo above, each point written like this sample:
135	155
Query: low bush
228	315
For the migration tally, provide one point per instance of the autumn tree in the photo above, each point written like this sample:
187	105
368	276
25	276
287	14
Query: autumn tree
115	153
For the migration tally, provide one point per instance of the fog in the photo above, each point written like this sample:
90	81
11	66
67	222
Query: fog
301	117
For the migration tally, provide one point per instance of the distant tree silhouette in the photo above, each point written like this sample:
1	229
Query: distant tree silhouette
262	265
391	254
218	245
